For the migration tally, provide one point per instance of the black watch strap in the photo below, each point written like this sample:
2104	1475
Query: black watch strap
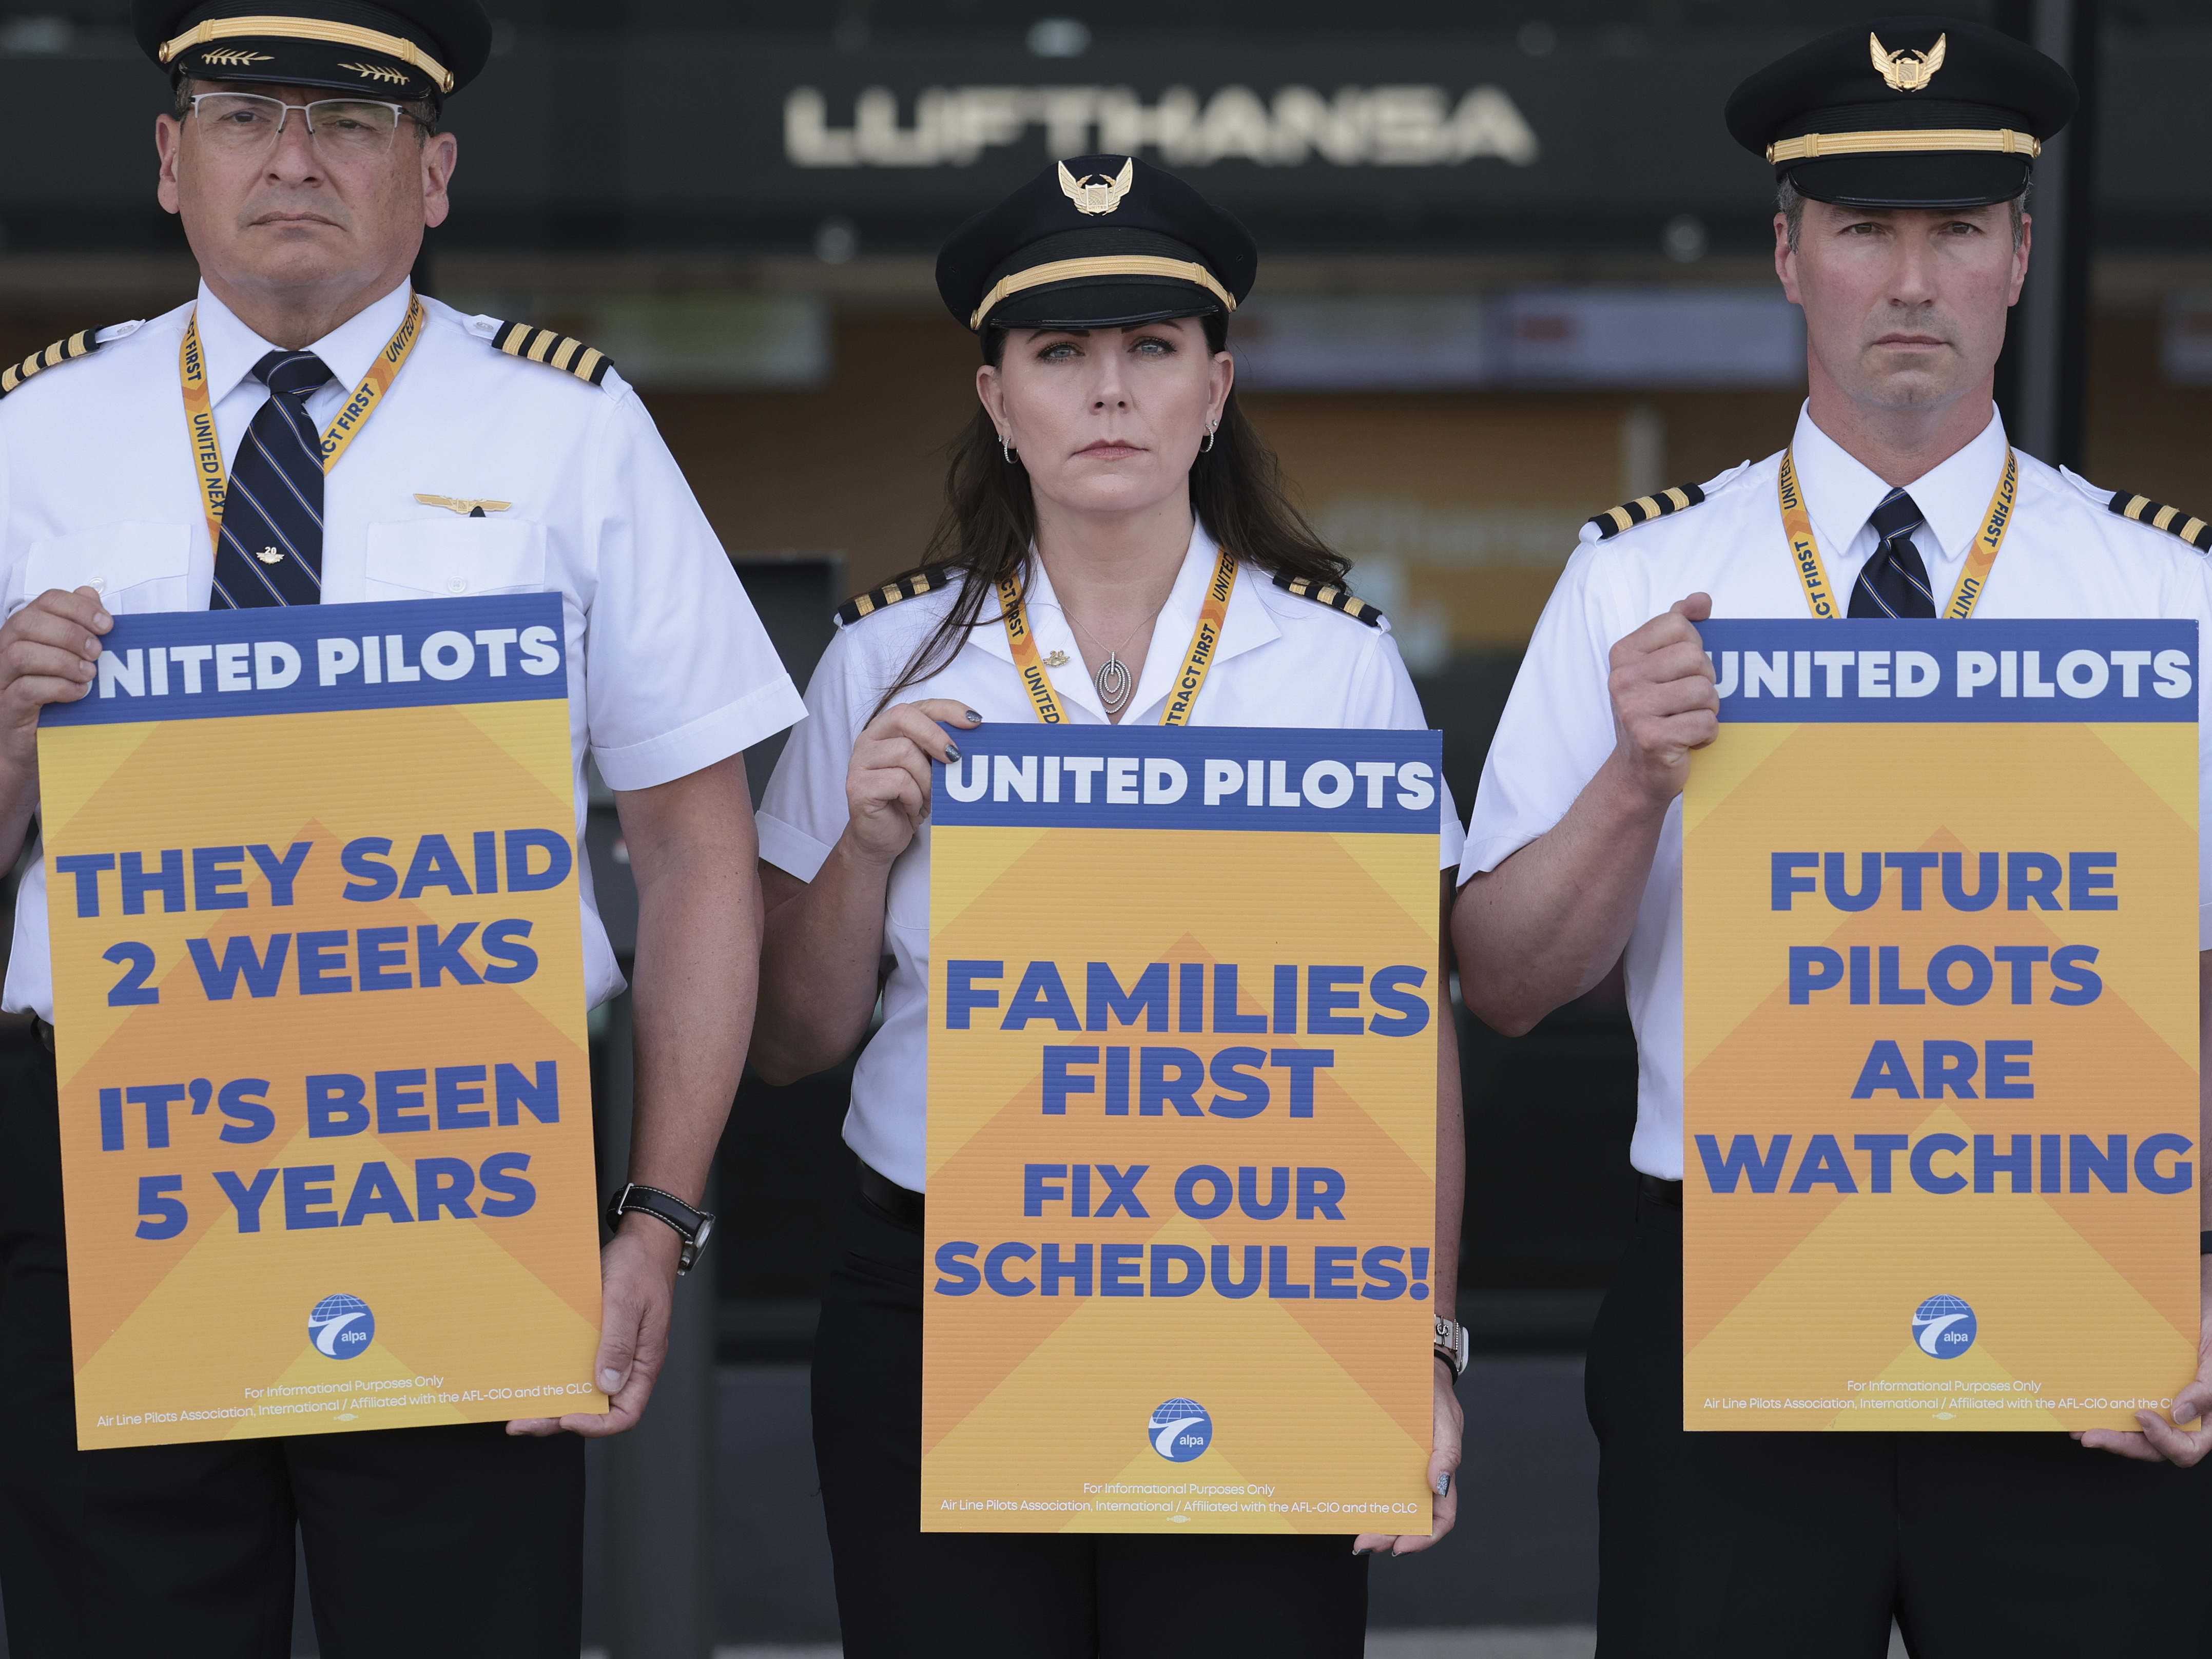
692	1227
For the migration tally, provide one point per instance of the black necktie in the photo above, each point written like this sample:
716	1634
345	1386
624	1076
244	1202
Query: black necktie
272	514
1894	582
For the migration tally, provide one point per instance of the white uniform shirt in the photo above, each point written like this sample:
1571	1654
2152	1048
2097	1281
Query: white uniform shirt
1282	661
2064	555
669	668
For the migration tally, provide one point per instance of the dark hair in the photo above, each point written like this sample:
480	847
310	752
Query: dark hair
990	518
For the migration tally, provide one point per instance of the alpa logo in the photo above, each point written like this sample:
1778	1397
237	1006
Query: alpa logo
1944	1326
341	1327
1180	1430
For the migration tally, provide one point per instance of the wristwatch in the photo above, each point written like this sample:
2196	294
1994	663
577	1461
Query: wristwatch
693	1227
1452	1346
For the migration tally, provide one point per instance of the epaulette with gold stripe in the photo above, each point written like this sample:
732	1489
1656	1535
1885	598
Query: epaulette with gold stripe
1335	598
79	344
2172	519
1611	522
562	351
912	586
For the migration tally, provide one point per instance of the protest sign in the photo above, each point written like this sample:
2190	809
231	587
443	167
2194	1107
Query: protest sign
1939	931
318	1011
1182	1074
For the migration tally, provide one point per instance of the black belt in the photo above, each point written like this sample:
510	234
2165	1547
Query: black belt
895	1201
1669	1193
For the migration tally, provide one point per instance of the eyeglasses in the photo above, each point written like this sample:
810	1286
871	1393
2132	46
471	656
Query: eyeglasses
341	129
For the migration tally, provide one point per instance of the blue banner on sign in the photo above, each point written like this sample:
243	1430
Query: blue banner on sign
1186	777
299	660
1947	672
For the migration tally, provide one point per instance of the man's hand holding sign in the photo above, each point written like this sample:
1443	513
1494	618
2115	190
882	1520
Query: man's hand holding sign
48	650
1551	922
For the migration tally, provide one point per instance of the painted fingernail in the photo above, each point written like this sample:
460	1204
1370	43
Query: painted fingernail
974	719
952	754
610	1381
1444	1484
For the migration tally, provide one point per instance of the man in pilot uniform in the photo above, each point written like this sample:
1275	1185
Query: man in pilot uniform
1903	162
304	156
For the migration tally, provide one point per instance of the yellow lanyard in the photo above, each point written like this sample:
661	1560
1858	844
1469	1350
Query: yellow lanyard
1205	639
199	413
1805	551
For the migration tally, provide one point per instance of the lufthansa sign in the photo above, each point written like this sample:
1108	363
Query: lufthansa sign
1385	126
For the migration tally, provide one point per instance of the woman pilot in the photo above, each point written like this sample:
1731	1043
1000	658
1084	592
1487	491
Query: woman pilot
1106	482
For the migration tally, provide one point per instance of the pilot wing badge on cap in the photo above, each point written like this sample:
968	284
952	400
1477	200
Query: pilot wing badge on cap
1096	193
1907	70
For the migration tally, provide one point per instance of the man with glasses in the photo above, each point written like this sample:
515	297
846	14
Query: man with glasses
216	457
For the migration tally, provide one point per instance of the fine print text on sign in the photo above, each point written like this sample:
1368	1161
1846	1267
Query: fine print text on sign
1182	1156
318	1011
1940	1125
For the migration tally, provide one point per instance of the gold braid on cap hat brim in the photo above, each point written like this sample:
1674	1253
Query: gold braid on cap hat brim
1109	264
1816	146
311	28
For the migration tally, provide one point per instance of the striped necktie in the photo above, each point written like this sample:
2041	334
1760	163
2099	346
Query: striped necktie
1895	583
272	513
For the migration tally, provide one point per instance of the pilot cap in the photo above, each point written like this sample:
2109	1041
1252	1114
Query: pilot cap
397	51
1906	113
1097	241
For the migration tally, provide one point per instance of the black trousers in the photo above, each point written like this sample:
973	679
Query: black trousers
1725	1545
905	1593
447	1543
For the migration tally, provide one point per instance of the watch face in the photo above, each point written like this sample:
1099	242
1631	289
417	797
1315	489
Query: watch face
706	1228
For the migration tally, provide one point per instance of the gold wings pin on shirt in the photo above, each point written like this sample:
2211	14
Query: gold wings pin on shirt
1096	193
1907	70
466	509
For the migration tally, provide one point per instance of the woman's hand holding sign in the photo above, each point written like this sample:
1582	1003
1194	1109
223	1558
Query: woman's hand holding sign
816	1010
1450	1429
887	787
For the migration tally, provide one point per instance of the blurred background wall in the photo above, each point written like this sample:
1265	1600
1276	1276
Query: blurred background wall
1513	271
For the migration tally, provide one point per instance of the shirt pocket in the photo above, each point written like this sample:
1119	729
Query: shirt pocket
134	568
445	558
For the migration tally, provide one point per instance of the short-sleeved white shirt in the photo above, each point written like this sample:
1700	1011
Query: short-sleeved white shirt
2065	555
1282	661
669	668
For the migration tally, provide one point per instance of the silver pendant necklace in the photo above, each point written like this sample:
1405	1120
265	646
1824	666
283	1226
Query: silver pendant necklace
1113	678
